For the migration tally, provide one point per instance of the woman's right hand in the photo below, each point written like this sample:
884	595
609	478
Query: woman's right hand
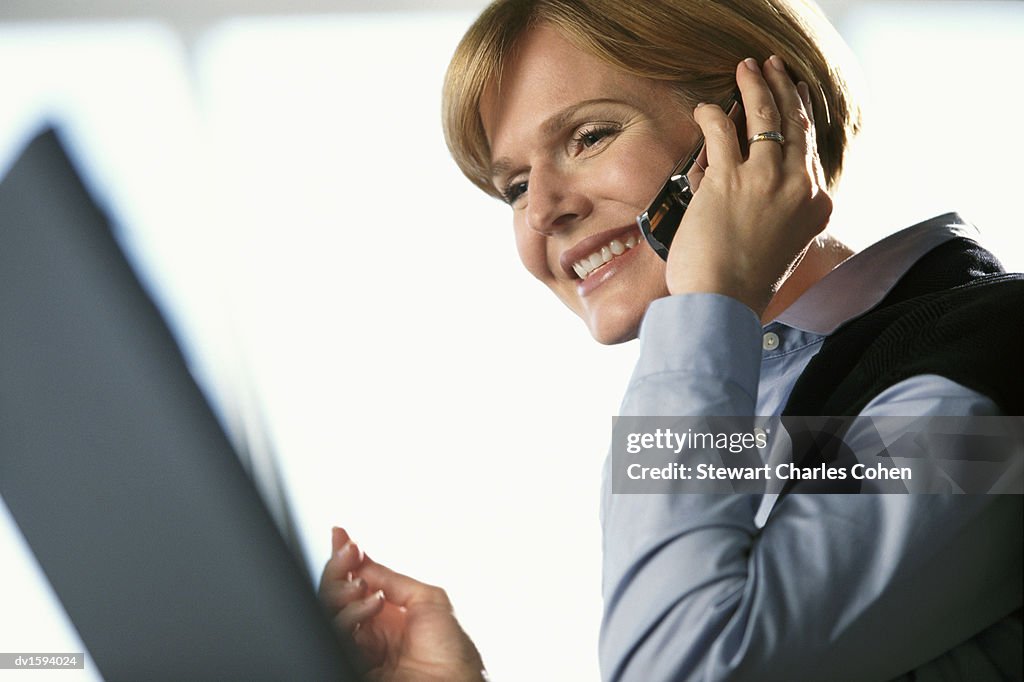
753	219
405	629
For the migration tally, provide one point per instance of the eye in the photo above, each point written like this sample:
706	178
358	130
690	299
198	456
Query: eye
513	191
591	136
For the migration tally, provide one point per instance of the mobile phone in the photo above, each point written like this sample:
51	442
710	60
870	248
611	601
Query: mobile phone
661	220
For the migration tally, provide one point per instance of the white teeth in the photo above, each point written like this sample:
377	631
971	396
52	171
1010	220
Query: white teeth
587	265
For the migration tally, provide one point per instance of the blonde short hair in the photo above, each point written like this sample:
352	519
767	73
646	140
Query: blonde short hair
694	45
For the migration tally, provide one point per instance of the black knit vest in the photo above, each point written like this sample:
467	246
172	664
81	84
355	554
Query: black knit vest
955	314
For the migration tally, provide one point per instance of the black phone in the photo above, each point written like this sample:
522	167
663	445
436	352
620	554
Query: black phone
661	220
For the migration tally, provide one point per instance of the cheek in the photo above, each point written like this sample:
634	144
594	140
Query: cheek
532	252
635	174
630	182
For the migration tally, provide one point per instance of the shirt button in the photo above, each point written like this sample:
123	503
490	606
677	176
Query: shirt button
770	341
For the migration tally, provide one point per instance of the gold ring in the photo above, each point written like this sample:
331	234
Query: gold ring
771	135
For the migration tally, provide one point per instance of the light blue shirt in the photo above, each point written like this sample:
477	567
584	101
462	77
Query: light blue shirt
815	587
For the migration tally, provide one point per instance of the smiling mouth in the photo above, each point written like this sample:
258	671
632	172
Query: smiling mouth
586	267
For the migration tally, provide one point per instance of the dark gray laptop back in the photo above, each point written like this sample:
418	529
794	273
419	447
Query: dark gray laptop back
117	472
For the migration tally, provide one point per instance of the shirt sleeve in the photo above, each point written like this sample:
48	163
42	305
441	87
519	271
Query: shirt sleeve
832	587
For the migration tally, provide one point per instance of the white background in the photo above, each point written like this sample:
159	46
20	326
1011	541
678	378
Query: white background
284	185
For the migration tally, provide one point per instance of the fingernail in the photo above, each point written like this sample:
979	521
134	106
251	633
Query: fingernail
776	61
349	550
352	588
805	91
371	599
701	104
751	64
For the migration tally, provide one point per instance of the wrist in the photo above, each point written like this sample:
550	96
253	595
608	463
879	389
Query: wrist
756	298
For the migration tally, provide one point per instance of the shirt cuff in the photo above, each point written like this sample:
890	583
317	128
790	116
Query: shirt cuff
710	337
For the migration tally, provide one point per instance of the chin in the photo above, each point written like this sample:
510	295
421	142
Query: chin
615	317
610	327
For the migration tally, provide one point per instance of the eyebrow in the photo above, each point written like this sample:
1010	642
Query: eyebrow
552	125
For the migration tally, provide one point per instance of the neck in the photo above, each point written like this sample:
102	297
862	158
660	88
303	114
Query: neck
822	256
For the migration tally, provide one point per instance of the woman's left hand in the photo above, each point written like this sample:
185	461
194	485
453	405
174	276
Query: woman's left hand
406	630
752	219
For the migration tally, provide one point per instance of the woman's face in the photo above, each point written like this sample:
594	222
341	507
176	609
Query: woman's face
578	150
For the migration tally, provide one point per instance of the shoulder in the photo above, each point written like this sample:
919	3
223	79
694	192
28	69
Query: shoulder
930	394
969	333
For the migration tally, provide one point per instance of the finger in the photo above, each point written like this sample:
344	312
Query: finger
338	595
762	112
344	562
814	159
796	124
805	97
401	589
720	143
359	611
338	539
372	645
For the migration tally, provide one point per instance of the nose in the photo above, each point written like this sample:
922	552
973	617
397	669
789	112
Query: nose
556	200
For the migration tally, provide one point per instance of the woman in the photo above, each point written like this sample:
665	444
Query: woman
574	112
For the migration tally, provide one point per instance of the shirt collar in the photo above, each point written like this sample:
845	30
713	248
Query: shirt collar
860	282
